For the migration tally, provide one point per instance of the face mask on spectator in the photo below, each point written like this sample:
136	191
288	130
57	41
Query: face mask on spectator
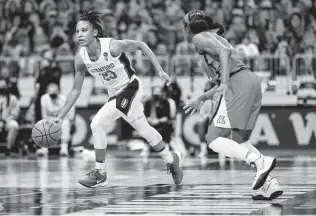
52	90
53	95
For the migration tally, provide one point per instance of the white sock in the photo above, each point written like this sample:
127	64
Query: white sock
100	166
166	155
253	149
203	147
230	148
250	147
64	146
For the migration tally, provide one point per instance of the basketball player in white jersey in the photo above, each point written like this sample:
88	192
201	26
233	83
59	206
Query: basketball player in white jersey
105	59
51	104
239	97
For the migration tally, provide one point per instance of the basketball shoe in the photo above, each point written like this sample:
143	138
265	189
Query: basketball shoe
174	169
270	190
94	179
263	166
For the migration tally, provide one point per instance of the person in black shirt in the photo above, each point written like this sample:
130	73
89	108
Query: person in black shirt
10	75
157	111
50	73
174	91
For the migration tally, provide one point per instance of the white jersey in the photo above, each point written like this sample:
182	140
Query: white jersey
51	108
115	72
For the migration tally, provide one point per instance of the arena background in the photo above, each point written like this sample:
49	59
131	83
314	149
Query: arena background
280	47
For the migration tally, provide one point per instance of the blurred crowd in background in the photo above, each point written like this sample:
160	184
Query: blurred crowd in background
279	28
28	27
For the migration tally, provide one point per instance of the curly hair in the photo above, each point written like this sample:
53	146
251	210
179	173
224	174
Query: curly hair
94	18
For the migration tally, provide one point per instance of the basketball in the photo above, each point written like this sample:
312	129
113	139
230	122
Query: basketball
46	133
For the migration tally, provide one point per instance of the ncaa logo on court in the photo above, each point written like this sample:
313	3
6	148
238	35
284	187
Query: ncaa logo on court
124	103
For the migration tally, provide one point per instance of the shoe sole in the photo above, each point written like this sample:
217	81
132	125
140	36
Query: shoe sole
179	158
263	177
274	195
102	184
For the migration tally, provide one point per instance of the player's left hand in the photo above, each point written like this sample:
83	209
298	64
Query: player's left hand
193	106
221	89
165	77
57	120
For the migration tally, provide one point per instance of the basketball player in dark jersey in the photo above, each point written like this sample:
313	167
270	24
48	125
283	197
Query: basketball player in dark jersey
239	96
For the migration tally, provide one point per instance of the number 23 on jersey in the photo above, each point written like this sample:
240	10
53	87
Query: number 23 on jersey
108	75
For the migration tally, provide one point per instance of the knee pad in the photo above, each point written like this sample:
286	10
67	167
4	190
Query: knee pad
213	145
99	133
12	125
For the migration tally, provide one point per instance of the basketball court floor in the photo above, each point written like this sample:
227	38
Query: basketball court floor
142	187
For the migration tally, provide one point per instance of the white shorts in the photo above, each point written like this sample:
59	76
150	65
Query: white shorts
127	104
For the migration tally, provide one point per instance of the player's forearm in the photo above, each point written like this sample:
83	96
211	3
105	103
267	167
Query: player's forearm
225	58
71	100
149	53
44	113
71	114
207	95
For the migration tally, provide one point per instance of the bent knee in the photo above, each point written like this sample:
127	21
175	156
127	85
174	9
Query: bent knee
98	124
94	125
214	133
12	125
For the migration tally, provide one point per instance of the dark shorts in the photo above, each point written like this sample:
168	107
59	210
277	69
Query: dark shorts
240	105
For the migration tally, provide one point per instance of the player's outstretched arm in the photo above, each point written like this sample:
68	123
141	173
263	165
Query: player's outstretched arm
76	89
119	46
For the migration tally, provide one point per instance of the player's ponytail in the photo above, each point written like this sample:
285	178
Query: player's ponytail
197	26
213	25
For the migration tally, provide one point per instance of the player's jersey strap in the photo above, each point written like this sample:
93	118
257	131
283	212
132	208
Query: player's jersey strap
125	98
127	65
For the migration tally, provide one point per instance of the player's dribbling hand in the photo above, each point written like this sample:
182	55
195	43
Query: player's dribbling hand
165	77
193	106
57	120
221	89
